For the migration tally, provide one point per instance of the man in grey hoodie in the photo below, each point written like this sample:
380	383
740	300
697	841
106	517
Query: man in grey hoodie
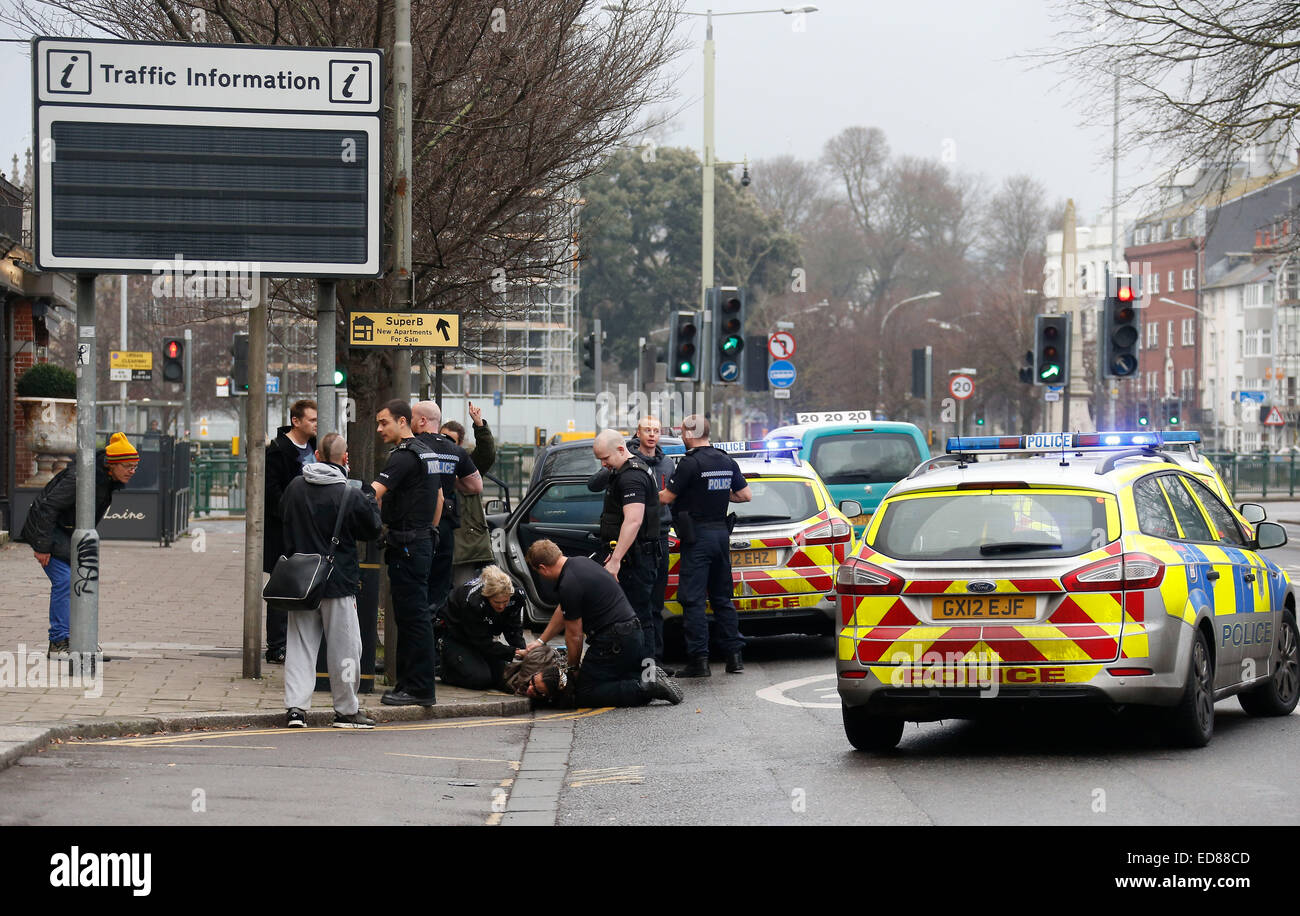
309	509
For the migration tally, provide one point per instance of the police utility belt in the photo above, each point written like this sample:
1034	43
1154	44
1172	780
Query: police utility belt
402	537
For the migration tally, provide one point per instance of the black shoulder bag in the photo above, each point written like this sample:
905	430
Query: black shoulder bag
297	583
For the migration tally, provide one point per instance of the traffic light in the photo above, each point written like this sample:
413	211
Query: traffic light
239	369
1144	415
173	369
1051	349
589	350
1172	420
979	418
683	351
1120	329
729	332
1027	370
340	377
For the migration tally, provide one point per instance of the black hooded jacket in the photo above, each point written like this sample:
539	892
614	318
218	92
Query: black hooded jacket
468	618
53	516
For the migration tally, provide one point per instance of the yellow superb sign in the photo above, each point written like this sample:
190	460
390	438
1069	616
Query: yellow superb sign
130	359
403	329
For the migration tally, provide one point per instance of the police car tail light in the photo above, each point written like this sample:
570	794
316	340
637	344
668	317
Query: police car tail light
830	531
1128	571
858	577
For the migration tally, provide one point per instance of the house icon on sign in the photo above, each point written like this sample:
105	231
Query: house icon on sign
363	330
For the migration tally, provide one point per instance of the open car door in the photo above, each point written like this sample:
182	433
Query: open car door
562	510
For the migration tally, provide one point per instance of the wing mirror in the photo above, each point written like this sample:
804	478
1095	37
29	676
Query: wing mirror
1253	512
851	507
1269	534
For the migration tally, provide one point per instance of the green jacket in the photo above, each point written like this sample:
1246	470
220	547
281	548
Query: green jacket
473	544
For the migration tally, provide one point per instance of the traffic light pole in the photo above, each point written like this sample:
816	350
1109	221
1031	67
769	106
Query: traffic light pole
83	631
326	397
706	358
189	382
598	381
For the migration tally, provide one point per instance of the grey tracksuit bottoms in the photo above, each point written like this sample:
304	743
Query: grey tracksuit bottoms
337	621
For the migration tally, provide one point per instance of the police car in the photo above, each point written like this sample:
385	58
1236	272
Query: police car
1068	568
788	542
785	549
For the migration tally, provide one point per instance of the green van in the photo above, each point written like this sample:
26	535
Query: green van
860	460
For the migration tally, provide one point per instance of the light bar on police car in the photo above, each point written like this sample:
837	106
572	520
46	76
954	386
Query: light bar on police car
776	447
1047	442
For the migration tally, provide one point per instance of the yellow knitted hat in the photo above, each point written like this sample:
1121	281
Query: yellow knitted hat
119	449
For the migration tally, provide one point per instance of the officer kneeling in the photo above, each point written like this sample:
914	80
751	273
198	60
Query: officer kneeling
593	604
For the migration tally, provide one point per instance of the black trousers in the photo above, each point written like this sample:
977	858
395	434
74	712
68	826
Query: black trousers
465	666
408	574
657	596
277	629
636	576
611	671
440	565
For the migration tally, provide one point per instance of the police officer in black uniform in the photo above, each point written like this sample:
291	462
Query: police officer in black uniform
458	475
705	482
407	490
629	528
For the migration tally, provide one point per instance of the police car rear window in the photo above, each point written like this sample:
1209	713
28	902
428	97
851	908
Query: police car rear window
846	458
777	501
992	527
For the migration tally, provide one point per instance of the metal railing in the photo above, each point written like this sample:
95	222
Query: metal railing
217	484
1258	473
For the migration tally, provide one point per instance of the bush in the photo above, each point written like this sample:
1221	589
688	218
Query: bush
47	380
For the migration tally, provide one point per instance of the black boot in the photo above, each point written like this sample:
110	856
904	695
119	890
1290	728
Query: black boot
734	663
696	666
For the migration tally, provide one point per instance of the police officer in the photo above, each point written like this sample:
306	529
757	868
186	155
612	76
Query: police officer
700	489
645	445
407	490
458	475
629	521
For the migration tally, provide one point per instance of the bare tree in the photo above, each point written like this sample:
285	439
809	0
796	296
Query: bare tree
791	189
513	105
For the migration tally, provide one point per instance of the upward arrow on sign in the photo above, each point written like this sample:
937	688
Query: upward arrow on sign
444	327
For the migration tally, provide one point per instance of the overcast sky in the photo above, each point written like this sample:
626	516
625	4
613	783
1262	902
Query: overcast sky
935	75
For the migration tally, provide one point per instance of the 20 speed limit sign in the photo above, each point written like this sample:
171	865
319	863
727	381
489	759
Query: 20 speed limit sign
961	386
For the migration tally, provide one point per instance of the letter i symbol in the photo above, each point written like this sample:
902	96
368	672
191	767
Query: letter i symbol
347	83
65	80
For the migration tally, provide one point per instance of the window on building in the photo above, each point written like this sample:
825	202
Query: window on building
1189	332
1153	335
536	384
1266	342
1155	283
1266	294
514	383
1252	345
1170	287
1240	348
1187	381
1169	337
1189	278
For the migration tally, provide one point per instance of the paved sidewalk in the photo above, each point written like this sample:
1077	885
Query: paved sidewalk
170	620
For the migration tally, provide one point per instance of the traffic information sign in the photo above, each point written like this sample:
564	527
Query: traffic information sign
403	329
781	374
1274	418
130	366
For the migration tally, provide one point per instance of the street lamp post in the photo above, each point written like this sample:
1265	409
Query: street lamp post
880	346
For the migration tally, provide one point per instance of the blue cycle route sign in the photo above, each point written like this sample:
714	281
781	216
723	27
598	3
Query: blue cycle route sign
781	373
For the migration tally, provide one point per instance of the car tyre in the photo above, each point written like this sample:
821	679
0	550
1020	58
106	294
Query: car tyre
1192	723
1278	695
868	732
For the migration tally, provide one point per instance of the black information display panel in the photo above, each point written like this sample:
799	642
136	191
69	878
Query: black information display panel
150	191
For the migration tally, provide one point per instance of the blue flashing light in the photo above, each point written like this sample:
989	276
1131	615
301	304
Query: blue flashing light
1181	435
1045	442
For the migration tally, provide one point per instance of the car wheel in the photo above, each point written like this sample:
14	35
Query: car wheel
867	732
1277	696
1192	724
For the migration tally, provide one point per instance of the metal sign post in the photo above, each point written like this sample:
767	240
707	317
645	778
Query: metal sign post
83	631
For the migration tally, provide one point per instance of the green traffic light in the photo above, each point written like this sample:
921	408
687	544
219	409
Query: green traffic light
979	421
685	368
1143	421
339	376
732	345
1050	372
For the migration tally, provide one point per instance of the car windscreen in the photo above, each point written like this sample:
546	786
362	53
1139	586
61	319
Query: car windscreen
567	504
865	457
777	501
979	525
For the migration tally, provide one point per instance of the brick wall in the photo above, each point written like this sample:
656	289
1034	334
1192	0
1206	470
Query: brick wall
25	347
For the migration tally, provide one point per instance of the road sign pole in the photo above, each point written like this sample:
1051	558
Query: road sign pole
598	379
122	344
83	635
255	483
326	319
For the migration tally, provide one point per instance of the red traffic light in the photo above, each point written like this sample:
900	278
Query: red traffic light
173	349
1125	294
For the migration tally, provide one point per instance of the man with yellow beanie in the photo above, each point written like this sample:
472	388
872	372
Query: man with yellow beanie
53	516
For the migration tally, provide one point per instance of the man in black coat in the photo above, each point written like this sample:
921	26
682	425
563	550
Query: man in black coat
294	446
310	508
52	519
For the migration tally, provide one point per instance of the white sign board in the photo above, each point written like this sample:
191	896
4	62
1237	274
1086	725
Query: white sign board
781	393
225	154
833	416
